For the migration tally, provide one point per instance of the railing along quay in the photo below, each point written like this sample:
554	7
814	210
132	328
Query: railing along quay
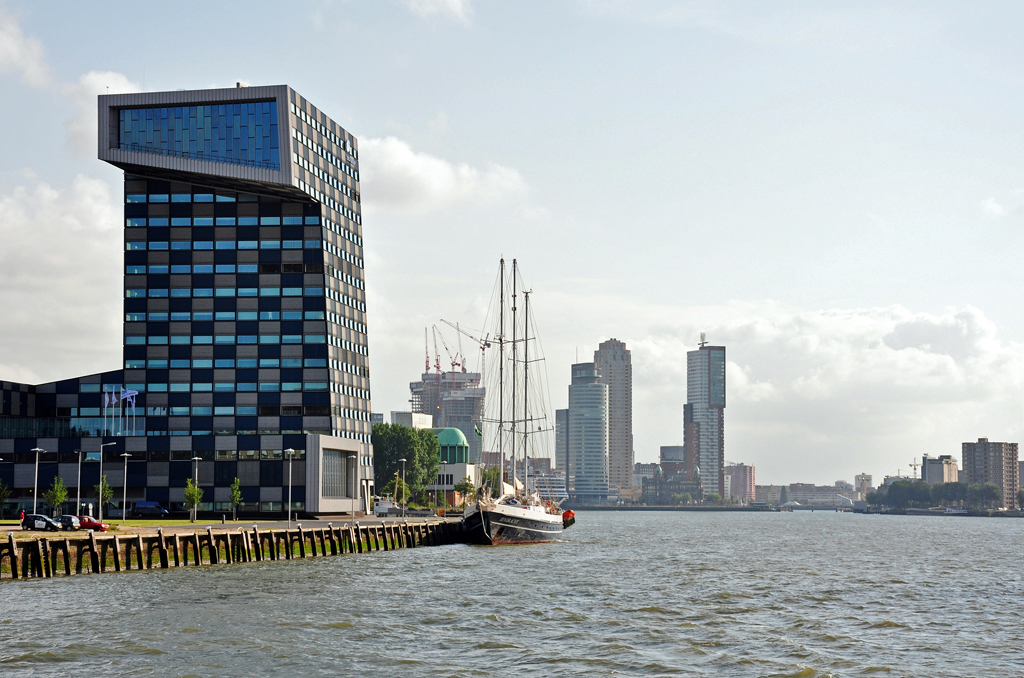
45	557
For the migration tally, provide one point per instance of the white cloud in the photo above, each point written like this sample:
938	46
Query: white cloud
82	127
855	28
397	178
60	280
993	208
21	55
459	10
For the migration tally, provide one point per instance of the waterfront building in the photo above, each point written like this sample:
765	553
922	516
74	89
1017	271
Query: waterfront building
862	483
376	418
661	490
808	494
997	463
245	349
562	445
641	471
455	467
588	435
705	413
741	484
412	420
614	364
769	494
454	399
942	469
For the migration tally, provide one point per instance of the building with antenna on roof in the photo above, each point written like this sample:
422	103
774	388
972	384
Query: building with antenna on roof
704	414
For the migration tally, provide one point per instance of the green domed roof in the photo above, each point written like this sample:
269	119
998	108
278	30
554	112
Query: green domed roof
451	437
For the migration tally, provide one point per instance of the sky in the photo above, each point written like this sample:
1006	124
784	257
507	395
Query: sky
831	190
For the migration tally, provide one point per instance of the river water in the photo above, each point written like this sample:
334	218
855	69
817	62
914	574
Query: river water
628	594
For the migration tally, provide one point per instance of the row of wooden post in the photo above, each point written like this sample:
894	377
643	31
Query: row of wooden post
44	557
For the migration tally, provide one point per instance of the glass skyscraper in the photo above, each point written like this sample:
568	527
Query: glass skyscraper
244	313
704	415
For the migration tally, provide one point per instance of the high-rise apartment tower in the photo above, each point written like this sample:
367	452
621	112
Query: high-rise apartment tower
615	366
705	414
985	462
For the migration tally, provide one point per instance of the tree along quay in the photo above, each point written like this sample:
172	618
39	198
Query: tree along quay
46	557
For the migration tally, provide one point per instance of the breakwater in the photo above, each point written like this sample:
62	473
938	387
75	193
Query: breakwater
46	557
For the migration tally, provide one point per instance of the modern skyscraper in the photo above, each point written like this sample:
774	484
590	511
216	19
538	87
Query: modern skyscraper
615	366
996	463
588	434
244	307
705	407
562	445
455	400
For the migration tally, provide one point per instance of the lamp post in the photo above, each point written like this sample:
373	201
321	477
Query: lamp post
35	485
99	510
355	498
444	484
78	503
403	486
124	490
195	481
291	453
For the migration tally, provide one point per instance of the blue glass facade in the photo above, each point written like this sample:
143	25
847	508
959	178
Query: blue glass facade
240	134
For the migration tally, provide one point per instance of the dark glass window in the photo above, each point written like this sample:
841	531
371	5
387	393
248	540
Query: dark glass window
240	134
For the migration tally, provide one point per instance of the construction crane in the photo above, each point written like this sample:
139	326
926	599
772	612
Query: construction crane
914	464
454	360
484	344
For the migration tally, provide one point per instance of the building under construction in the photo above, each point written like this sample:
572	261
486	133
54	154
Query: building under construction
456	400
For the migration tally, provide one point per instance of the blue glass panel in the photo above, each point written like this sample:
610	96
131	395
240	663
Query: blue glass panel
248	135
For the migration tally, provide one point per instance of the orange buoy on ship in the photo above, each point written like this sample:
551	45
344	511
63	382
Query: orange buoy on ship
568	518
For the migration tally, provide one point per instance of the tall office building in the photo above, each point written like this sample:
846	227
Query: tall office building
742	483
588	434
615	366
455	400
562	445
244	310
997	463
939	470
705	413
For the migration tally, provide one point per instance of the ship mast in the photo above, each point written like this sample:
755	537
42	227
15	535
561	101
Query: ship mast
526	393
501	371
515	371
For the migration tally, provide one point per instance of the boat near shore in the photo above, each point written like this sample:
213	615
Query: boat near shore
511	513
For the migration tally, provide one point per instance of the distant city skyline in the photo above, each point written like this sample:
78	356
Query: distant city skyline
834	192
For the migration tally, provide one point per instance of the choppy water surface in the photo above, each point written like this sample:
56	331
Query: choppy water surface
802	594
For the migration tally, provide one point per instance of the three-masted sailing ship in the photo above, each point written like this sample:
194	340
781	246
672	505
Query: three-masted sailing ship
511	513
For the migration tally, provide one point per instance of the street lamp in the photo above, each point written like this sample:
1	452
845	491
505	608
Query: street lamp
403	486
291	453
78	503
124	493
99	511
356	491
35	486
195	481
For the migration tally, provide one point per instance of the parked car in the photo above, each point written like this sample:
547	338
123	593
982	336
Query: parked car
69	522
89	523
35	521
150	508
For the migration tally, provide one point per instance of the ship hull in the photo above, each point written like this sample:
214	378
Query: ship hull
492	526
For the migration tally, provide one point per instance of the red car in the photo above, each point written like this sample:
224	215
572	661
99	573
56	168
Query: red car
88	523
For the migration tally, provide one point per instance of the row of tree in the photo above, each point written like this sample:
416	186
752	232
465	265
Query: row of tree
918	494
